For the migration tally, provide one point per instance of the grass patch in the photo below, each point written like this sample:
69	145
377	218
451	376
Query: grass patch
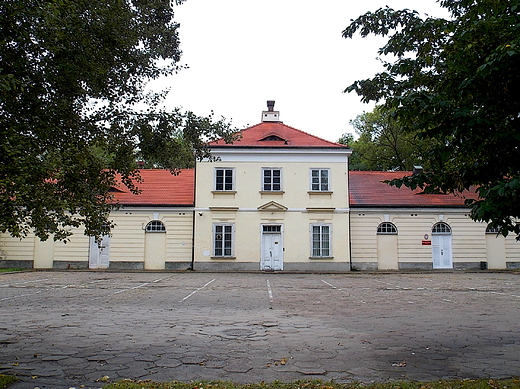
13	269
6	380
455	384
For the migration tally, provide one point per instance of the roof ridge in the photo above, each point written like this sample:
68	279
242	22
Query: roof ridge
314	140
312	135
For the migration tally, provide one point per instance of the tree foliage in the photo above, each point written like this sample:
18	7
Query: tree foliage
383	145
456	83
74	110
346	139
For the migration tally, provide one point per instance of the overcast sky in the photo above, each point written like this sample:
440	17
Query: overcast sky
242	53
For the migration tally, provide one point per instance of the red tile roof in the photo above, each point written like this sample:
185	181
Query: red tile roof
276	134
160	188
367	190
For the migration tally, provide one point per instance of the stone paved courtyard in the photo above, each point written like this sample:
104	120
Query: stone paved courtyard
67	329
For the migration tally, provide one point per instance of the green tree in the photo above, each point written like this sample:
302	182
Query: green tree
72	76
383	145
346	139
456	83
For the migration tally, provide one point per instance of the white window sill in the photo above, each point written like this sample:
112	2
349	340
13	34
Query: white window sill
319	192
313	258
272	192
224	257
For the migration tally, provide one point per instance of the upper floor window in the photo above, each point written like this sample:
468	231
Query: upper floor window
320	180
271	180
155	226
387	228
224	179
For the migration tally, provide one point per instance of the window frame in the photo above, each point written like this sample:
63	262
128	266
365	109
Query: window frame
153	224
215	183
493	230
263	183
444	226
321	249
382	229
271	228
216	227
320	183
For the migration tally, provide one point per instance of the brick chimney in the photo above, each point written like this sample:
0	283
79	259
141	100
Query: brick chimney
270	115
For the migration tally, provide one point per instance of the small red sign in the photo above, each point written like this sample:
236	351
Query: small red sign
426	242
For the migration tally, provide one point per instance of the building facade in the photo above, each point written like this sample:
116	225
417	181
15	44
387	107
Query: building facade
153	231
275	200
399	229
279	199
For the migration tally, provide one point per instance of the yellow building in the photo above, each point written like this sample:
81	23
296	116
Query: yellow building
399	229
279	199
153	231
274	200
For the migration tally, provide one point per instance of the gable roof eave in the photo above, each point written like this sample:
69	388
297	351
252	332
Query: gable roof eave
260	135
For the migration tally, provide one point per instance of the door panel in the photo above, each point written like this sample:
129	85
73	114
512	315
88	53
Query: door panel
43	253
387	255
441	252
99	253
155	251
272	252
496	251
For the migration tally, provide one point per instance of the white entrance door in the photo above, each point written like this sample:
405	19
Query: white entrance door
272	248
441	249
99	253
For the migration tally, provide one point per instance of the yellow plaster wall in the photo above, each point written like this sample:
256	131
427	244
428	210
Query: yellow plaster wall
468	237
241	208
296	185
127	243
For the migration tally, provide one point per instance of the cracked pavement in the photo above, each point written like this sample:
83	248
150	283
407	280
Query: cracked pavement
72	329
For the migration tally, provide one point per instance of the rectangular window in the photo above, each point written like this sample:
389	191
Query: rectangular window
320	180
223	240
272	229
271	180
320	240
224	179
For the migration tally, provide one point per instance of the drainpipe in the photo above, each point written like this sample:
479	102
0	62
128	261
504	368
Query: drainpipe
349	222
194	218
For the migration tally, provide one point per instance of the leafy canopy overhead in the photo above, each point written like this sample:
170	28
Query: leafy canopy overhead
72	74
384	145
456	84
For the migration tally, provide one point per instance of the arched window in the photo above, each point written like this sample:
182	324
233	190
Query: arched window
155	226
441	229
387	228
493	230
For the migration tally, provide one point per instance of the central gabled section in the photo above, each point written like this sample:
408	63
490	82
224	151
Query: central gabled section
275	199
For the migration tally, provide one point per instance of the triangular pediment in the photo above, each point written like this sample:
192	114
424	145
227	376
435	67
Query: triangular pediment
272	206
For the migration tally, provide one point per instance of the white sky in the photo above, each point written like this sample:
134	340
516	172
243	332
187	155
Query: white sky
242	53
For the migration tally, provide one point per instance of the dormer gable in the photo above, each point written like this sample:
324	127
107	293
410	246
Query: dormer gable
273	137
113	189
